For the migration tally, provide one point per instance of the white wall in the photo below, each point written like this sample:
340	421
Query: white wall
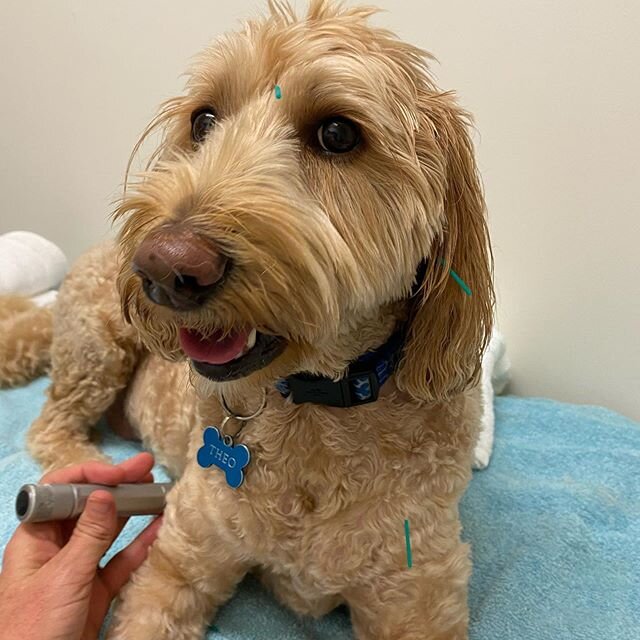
554	87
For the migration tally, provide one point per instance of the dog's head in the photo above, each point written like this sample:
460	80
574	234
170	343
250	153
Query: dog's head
308	172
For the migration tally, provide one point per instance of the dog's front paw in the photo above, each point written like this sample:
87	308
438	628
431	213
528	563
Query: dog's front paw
154	614
151	626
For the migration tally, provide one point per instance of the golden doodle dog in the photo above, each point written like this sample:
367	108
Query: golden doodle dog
287	259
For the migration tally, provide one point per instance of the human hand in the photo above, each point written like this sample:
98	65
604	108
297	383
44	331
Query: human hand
51	587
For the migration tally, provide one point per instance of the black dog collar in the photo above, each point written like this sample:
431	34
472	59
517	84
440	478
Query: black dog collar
360	384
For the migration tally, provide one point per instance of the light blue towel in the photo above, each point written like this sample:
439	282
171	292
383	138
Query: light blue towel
554	523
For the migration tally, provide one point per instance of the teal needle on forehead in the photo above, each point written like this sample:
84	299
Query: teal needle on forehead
278	92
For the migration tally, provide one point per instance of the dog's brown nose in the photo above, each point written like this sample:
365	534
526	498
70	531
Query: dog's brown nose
179	268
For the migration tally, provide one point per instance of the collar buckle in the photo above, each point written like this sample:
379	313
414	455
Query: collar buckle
354	389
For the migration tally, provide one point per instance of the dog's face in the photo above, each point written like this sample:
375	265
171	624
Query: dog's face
305	175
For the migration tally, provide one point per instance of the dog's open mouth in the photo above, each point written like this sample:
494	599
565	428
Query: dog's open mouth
235	355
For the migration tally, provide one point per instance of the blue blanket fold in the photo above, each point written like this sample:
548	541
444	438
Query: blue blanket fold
554	523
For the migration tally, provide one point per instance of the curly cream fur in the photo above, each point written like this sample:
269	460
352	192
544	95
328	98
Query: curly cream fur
25	340
325	252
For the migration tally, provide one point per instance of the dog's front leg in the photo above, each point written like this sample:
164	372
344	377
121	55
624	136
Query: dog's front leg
191	570
425	602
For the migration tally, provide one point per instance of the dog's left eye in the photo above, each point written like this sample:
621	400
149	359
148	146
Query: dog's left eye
338	135
201	122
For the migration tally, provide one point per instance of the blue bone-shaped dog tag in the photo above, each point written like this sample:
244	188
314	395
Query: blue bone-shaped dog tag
231	459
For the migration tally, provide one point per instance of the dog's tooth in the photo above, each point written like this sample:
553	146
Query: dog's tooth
251	340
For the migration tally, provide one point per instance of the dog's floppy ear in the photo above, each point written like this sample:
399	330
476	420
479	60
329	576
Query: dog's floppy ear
449	329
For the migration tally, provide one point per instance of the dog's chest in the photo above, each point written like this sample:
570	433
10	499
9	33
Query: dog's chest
315	485
299	470
326	492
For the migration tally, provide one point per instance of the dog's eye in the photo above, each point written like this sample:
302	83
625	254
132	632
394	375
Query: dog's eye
338	135
201	121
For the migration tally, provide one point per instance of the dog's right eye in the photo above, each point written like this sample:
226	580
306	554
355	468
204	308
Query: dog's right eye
201	121
338	135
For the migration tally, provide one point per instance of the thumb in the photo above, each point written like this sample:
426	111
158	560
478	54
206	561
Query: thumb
94	532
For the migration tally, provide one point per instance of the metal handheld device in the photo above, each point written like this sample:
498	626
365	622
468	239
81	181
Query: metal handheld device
44	502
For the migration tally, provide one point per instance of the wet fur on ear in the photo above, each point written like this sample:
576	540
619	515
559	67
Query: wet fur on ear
449	329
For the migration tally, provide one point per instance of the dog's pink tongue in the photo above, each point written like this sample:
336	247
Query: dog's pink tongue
213	349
